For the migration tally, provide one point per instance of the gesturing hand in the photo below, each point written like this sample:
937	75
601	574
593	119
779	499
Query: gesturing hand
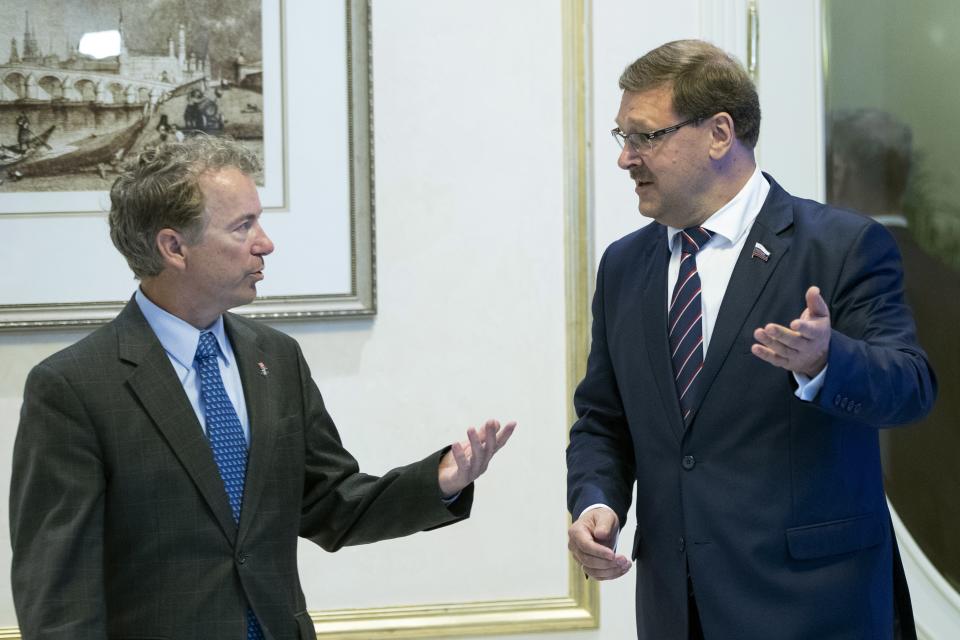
802	348
591	541
466	461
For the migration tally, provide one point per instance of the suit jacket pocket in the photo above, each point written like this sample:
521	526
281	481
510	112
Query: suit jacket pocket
305	626
837	536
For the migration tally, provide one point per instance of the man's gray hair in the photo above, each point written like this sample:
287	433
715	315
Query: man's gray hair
160	189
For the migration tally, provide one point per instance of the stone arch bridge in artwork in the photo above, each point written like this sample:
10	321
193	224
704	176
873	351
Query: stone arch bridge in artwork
38	83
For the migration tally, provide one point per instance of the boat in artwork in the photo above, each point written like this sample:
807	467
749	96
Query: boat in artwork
11	155
90	151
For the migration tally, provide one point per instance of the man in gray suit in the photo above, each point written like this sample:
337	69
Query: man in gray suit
166	464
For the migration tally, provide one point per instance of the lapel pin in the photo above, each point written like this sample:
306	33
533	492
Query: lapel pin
760	251
263	369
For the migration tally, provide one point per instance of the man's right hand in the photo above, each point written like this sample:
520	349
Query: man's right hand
592	538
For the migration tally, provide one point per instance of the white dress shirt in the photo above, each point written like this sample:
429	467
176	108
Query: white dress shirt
716	259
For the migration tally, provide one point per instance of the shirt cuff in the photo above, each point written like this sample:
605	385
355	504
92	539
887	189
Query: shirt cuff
808	388
449	501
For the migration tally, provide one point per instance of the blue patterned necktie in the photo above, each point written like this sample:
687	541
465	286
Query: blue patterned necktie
226	438
685	320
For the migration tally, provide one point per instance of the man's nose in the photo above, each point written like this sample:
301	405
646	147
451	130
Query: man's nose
264	245
628	157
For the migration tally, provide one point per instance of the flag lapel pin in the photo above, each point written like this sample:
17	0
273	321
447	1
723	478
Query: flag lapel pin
761	252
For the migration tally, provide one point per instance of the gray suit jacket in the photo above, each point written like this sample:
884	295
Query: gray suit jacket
119	520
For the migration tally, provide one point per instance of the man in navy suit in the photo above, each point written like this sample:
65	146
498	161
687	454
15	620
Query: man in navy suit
747	348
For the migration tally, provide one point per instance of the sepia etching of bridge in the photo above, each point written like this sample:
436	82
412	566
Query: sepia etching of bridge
23	82
69	117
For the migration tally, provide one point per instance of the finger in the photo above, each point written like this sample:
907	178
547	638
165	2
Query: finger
769	355
811	329
583	540
489	444
504	434
476	451
604	527
620	566
490	435
460	456
473	438
607	575
589	552
597	561
772	342
785	336
816	304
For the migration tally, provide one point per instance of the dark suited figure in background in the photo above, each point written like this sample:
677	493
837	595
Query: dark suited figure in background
747	348
166	464
871	155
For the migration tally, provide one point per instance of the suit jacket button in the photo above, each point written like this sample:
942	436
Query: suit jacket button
242	558
856	407
836	400
683	544
688	462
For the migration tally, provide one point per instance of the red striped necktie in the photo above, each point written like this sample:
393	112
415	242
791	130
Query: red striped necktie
684	320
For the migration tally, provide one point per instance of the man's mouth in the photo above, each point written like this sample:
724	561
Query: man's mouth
639	180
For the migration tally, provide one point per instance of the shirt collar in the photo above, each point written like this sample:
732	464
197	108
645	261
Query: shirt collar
178	337
734	219
892	220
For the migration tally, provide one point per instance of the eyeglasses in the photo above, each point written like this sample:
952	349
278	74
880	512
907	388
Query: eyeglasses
644	143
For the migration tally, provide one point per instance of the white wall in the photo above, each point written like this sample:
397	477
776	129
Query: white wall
470	319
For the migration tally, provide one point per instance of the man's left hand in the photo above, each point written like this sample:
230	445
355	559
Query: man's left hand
803	347
466	461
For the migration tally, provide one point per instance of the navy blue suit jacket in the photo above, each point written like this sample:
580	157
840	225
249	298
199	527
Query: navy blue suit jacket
774	505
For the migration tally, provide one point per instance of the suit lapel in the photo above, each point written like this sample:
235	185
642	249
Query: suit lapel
155	383
654	326
750	276
255	379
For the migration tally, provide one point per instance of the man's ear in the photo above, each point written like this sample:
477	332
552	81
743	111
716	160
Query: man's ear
722	134
172	247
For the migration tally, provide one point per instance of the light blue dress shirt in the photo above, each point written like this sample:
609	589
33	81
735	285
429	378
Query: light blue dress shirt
179	340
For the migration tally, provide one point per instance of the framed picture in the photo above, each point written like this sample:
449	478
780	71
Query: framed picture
69	120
